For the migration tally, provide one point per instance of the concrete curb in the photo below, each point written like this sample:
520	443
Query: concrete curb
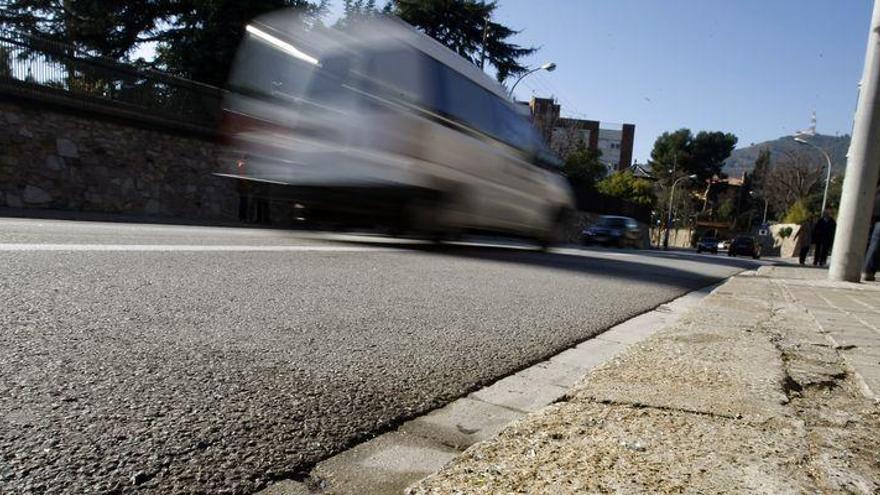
391	462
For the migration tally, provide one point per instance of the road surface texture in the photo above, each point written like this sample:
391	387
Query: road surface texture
176	359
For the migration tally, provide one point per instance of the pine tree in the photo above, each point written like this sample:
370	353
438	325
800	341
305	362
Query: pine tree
196	39
460	25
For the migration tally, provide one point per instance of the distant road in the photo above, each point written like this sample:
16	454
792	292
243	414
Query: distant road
163	359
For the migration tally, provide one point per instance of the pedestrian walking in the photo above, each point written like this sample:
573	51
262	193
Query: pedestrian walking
804	239
823	236
872	257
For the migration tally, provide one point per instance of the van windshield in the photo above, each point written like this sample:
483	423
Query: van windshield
262	70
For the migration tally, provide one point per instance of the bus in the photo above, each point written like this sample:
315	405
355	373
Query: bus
381	120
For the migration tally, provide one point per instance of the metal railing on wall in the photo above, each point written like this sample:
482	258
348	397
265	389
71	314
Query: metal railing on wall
40	67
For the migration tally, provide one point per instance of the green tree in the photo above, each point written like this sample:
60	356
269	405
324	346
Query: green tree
726	209
758	177
459	25
354	10
681	153
797	213
627	186
583	168
835	189
109	29
196	39
756	187
202	42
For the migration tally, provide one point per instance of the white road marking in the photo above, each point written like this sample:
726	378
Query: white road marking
185	247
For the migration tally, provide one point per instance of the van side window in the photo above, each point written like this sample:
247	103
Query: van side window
397	74
512	128
412	76
464	100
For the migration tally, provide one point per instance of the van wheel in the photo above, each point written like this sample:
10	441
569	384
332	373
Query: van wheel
418	215
556	235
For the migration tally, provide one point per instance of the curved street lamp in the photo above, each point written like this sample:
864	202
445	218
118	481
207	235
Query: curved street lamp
549	67
669	216
801	140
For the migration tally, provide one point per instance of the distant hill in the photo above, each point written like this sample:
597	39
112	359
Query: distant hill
743	159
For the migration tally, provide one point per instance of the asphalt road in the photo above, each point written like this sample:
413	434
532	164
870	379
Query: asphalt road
169	359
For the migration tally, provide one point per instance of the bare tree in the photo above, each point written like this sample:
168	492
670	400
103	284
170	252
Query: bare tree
795	175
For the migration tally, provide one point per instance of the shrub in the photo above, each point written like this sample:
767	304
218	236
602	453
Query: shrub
797	213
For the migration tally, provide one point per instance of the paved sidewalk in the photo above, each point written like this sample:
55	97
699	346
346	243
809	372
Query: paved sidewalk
769	385
848	314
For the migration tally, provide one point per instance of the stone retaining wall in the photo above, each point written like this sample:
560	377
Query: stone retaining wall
56	159
678	238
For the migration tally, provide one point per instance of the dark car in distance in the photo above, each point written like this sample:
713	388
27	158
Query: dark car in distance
613	230
709	244
744	245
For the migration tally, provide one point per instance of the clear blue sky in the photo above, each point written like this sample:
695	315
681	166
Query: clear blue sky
756	68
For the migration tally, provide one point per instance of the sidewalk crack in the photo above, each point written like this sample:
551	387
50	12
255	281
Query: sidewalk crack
642	405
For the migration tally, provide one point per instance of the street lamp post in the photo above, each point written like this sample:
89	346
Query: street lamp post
764	197
549	67
669	213
801	140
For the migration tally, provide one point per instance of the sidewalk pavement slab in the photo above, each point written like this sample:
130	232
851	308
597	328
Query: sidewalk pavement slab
586	447
737	371
744	394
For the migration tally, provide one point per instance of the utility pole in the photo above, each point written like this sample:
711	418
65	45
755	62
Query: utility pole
862	168
669	211
485	40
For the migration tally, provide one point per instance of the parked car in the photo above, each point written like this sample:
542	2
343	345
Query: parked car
709	244
613	230
744	245
724	245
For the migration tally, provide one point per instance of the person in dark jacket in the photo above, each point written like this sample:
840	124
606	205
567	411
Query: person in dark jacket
872	257
803	240
823	236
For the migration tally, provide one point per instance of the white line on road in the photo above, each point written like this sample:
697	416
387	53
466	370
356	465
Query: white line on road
185	247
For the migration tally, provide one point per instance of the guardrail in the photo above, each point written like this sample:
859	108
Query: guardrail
41	68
